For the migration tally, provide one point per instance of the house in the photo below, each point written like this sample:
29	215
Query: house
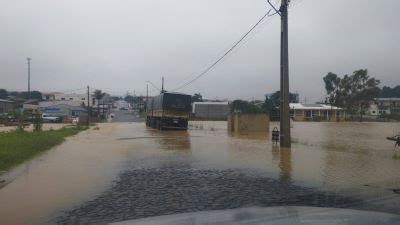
82	98
49	96
31	105
7	106
384	106
211	110
65	109
314	112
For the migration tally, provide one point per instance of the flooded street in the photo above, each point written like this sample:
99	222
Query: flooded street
127	171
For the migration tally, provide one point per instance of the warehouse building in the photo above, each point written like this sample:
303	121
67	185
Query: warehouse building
63	109
211	110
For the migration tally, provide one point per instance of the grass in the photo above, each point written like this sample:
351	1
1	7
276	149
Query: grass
18	146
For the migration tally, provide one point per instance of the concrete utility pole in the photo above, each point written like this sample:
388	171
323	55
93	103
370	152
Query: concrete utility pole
162	85
147	96
285	140
88	107
29	77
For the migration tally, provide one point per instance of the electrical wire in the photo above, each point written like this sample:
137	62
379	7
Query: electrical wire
226	53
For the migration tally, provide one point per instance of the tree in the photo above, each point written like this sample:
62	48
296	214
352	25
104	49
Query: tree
197	97
354	92
272	104
388	92
98	95
247	107
3	94
332	82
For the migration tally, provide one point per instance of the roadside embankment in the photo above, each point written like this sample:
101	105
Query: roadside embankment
18	146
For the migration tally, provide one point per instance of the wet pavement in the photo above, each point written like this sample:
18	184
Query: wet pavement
126	171
126	116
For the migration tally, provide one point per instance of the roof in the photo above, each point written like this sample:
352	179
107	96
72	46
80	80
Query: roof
32	101
51	93
175	93
387	99
55	103
312	106
210	103
6	101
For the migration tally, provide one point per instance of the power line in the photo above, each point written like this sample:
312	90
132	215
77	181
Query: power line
226	53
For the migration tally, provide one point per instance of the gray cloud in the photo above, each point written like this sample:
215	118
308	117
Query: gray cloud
117	45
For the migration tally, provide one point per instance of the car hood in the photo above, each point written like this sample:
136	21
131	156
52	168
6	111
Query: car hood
271	215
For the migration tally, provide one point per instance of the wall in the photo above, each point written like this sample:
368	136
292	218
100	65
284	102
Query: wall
252	122
6	107
211	111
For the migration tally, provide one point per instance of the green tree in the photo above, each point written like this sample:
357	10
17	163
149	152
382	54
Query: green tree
388	92
98	95
247	107
197	97
332	84
3	94
354	92
272	104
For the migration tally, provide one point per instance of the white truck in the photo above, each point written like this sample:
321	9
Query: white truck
51	119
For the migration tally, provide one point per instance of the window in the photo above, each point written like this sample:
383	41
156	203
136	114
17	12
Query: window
308	113
83	99
71	98
62	98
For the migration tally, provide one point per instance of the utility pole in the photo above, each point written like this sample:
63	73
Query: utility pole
88	107
147	95
285	140
162	85
29	77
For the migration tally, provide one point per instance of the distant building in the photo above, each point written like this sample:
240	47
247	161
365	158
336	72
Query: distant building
211	110
50	96
82	98
384	106
312	112
31	105
6	106
67	109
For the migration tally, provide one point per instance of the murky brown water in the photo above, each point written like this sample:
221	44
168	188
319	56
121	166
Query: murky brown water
353	158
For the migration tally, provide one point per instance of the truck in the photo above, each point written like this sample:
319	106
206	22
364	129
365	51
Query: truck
51	119
169	111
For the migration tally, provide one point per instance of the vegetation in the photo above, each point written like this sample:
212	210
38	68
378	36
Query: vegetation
18	146
248	107
98	95
197	97
23	94
353	92
272	103
131	99
388	92
3	93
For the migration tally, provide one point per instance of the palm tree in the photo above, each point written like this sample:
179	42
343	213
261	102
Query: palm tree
98	94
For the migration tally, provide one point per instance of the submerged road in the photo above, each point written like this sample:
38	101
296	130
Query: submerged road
126	171
126	116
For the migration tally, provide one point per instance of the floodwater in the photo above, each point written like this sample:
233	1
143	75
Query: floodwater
351	159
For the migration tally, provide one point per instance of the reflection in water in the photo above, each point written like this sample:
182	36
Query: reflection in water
171	140
285	164
249	135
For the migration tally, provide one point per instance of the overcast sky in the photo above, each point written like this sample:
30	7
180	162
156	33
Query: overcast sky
116	45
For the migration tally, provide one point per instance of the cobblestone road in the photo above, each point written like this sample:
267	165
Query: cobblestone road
160	191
